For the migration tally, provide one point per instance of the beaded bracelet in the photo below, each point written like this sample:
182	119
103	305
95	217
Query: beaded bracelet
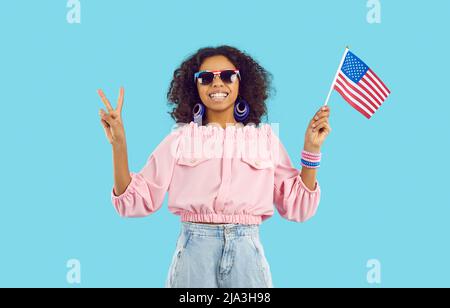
311	160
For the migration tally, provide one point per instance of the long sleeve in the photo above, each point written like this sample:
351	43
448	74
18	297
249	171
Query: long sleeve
145	193
293	200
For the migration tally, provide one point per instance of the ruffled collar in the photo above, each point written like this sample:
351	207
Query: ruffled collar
231	139
232	130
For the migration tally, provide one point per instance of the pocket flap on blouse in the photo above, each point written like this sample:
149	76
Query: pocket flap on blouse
258	163
191	161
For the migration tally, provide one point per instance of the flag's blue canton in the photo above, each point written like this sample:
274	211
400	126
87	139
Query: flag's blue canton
354	68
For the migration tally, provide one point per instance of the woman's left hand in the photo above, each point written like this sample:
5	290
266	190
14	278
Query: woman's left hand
317	130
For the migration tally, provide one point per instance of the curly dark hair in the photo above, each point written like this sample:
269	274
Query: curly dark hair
254	86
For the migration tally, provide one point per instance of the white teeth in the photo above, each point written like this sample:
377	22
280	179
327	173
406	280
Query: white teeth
218	95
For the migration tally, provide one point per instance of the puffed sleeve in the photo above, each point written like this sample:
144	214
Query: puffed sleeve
145	193
293	200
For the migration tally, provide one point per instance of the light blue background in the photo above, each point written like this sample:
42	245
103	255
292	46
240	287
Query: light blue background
384	181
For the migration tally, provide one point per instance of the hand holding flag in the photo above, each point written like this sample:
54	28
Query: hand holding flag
318	129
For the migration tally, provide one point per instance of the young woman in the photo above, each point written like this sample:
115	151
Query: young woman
223	169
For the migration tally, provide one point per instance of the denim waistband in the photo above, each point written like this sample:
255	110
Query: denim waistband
221	230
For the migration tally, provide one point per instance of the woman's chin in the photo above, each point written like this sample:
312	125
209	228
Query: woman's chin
220	101
218	105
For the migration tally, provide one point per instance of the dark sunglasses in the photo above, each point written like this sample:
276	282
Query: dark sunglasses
207	77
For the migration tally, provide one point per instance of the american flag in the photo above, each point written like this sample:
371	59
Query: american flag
360	86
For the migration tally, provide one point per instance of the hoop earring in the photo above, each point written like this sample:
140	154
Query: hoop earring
198	111
241	110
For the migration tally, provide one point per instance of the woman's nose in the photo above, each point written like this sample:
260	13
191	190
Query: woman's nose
217	81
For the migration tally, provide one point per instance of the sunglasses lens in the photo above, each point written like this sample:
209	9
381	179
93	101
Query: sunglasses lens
228	76
206	78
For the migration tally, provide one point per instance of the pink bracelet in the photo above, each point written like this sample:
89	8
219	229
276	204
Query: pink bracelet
311	160
311	156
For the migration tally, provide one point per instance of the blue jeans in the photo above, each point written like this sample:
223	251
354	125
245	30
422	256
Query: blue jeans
219	256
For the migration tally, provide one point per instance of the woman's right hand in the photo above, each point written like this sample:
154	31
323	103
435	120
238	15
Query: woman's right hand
112	119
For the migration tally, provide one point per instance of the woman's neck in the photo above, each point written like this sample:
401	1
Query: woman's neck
221	118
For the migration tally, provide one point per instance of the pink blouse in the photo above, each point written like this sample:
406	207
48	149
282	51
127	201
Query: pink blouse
221	175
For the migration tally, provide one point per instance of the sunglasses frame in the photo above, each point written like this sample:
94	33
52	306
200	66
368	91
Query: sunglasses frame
196	75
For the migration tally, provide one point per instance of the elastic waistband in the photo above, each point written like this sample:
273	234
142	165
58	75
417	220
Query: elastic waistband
244	219
219	230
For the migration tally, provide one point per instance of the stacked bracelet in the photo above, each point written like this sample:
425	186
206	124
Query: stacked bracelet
310	160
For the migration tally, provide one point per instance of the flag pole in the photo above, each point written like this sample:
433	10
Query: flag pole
337	73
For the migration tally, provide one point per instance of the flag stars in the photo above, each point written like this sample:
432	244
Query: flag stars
353	67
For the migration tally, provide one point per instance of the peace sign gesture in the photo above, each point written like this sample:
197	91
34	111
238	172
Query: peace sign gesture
112	119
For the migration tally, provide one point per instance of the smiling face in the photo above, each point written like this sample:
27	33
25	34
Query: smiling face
218	96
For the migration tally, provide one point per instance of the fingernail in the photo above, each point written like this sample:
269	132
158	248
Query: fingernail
100	92
316	117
